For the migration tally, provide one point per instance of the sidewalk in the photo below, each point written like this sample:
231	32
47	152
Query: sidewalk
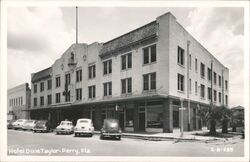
187	136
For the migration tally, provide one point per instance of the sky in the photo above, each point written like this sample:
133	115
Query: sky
37	36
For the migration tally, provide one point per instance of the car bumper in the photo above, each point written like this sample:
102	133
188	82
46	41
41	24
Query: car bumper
39	129
64	131
84	131
111	134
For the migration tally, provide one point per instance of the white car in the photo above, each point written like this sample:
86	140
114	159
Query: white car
84	127
19	124
29	125
65	127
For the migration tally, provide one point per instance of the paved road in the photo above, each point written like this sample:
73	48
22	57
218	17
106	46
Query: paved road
29	143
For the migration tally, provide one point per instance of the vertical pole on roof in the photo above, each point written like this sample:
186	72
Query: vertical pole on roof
76	25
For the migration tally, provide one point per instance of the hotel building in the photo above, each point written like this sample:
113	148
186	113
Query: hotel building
141	78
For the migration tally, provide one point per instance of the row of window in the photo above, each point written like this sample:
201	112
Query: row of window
149	56
16	101
180	87
181	61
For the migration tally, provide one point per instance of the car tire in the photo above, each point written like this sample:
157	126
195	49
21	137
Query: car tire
34	131
119	138
76	134
90	135
101	137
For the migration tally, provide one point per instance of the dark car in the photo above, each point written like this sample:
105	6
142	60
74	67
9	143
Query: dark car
10	124
111	129
42	126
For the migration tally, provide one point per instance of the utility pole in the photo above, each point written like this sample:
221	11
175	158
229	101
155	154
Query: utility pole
188	83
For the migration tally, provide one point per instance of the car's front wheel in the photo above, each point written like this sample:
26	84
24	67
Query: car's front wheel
76	134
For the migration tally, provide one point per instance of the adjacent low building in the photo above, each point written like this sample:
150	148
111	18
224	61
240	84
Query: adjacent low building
18	102
141	78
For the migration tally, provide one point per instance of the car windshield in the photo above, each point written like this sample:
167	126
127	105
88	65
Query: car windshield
19	120
30	121
111	123
66	123
41	122
83	121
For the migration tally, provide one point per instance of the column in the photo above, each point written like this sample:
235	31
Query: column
98	118
167	116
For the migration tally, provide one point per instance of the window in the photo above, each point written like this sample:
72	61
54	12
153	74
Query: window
226	84
107	67
67	97
202	91
215	95
190	61
202	70
79	94
180	56
215	78
126	85
149	54
129	117
58	81
35	102
190	86
149	81
196	88
35	88
154	116
92	71
92	91
219	97
41	86
67	79
58	97
41	101
219	80
180	79
126	61
196	65
49	84
49	97
107	89
78	75
226	100
209	93
209	74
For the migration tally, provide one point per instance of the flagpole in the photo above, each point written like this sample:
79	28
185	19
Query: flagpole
76	25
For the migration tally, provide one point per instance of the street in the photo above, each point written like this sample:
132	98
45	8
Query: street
29	143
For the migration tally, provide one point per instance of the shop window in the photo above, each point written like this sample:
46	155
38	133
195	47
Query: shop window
129	117
154	117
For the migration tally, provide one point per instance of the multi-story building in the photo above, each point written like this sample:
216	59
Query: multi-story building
141	78
18	102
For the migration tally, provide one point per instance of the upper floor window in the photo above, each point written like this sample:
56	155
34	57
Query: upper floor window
67	97
126	61
41	101
219	80
92	71
202	70
49	82
107	89
149	54
58	97
180	56
180	82
149	81
91	91
126	85
79	75
79	94
196	65
209	74
219	97
202	91
107	67
215	95
67	79
209	93
35	88
196	88
49	99
58	81
190	61
226	100
215	78
35	101
226	86
41	86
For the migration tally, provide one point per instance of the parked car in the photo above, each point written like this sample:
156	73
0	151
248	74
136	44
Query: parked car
29	125
84	127
42	126
65	127
111	129
10	124
19	123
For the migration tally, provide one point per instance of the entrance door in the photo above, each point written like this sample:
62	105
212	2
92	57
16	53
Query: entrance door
142	121
176	119
121	120
194	119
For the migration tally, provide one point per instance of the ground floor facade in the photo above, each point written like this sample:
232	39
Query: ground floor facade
140	115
